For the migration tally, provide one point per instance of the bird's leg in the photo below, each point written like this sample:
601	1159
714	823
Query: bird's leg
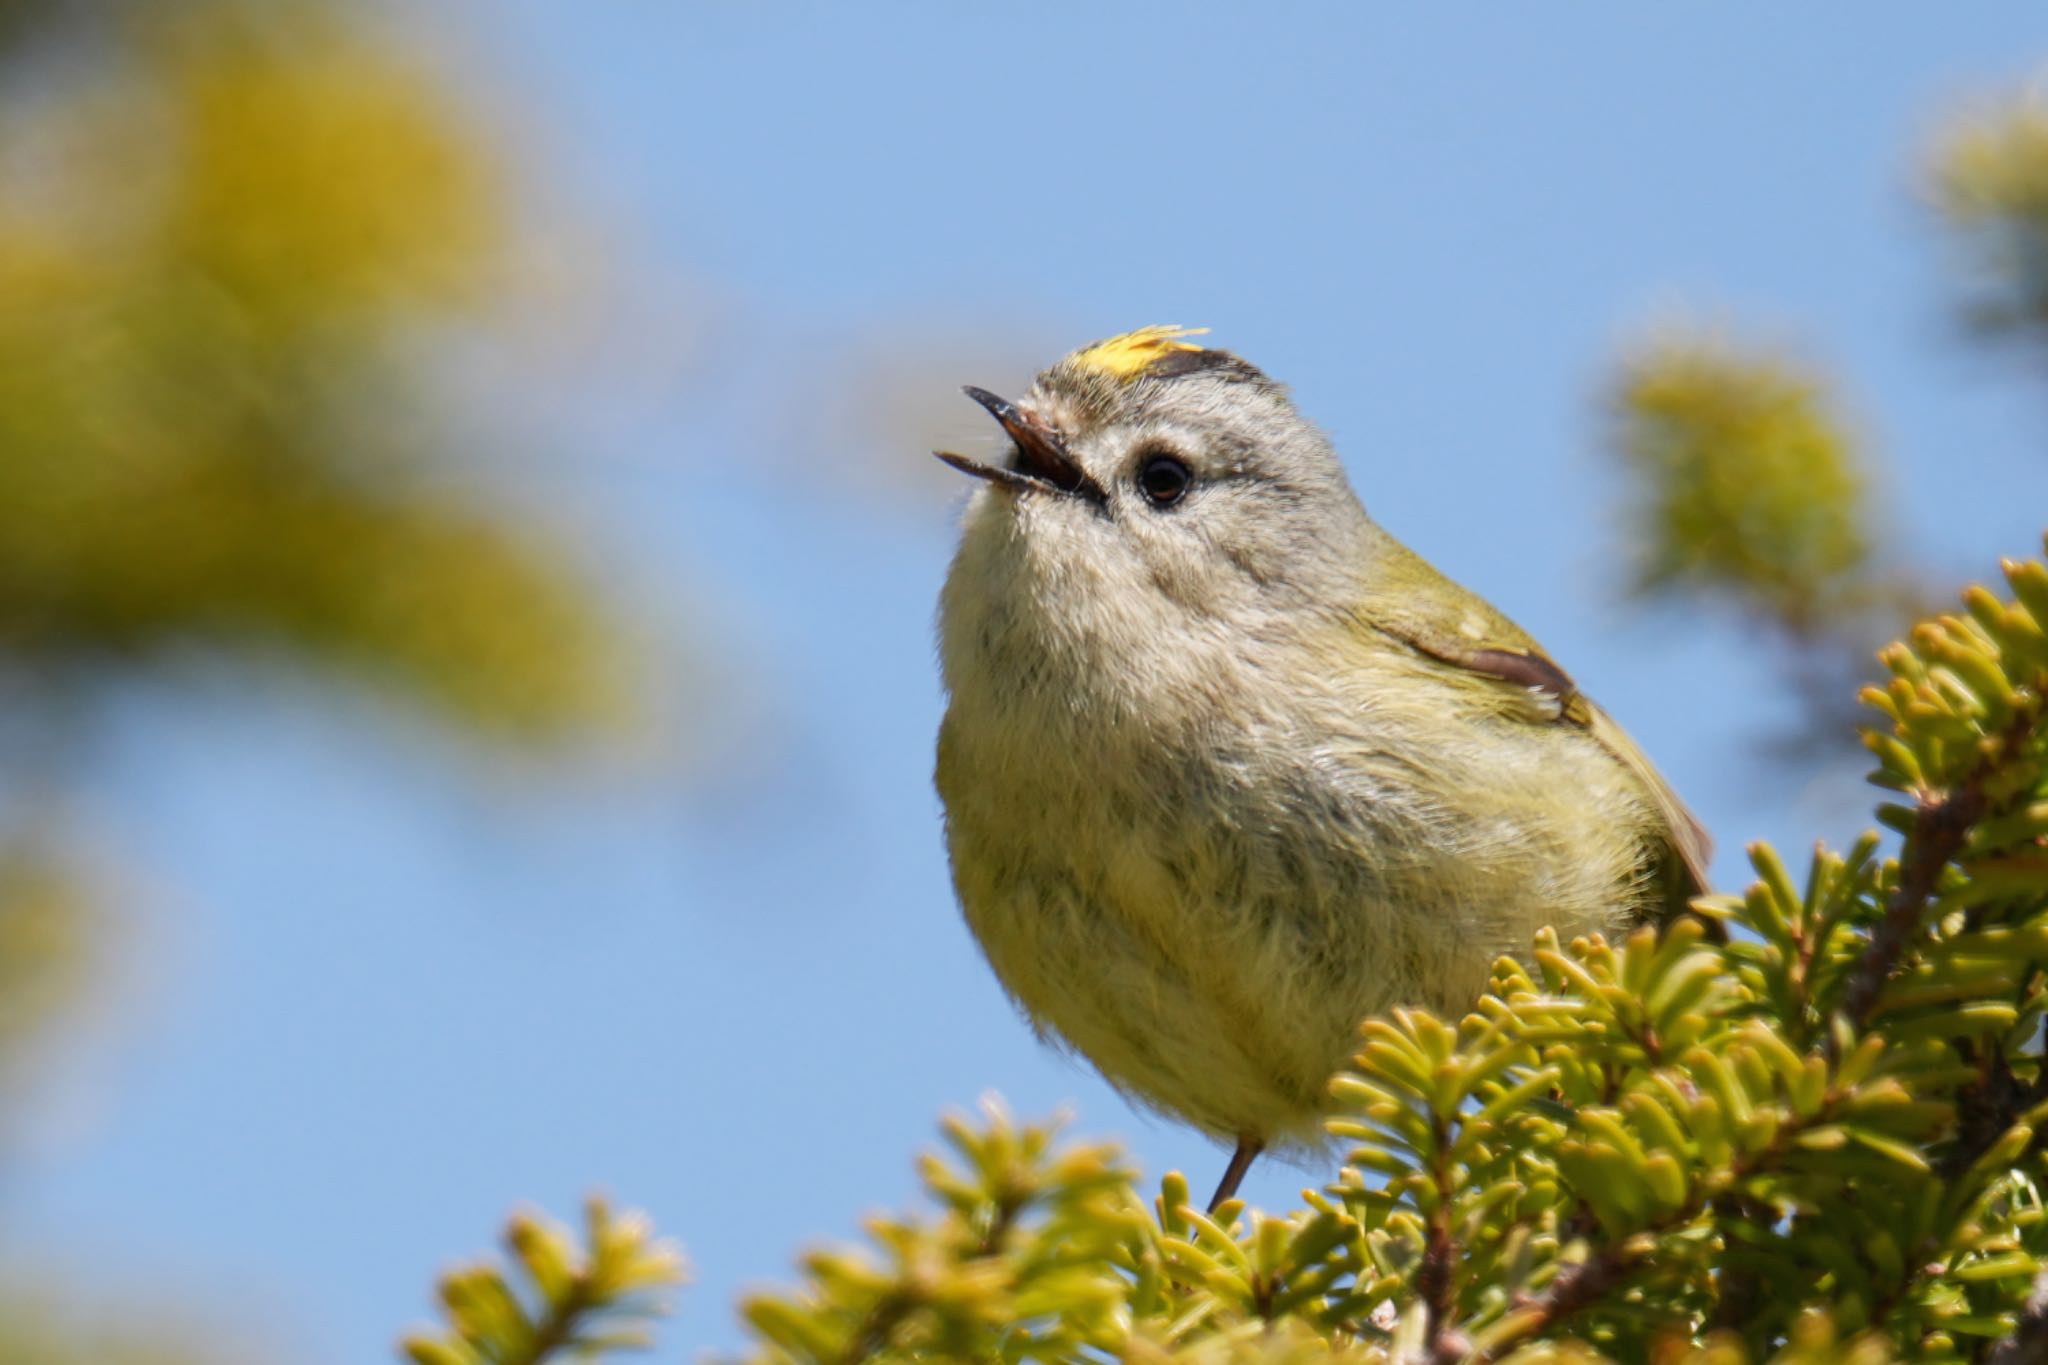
1248	1150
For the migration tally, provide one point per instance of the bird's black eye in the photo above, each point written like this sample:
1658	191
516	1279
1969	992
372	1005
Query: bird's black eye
1163	480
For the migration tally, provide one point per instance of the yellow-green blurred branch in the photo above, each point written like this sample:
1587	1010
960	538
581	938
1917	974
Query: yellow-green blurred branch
1747	484
1988	178
566	1301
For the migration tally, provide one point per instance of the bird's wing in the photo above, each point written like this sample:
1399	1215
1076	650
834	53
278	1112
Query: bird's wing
1418	606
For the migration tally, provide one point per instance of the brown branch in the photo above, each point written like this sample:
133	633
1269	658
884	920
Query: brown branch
1579	1286
1433	1279
1941	826
1576	1287
559	1324
1987	1110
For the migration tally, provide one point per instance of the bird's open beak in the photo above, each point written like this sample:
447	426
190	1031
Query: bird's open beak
1042	464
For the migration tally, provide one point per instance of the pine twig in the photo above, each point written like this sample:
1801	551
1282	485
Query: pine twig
1941	827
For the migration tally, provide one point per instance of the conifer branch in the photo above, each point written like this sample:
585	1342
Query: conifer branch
1941	827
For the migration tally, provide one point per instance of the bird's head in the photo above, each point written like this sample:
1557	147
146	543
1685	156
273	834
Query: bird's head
1156	475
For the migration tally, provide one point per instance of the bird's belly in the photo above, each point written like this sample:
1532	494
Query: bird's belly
1208	923
1185	999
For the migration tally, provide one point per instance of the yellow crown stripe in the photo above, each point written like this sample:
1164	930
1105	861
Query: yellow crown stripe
1130	355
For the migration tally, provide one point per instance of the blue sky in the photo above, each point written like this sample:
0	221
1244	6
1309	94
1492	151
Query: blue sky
382	991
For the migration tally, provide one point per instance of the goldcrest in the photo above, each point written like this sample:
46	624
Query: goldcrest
1227	768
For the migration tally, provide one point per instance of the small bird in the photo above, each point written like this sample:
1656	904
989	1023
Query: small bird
1227	768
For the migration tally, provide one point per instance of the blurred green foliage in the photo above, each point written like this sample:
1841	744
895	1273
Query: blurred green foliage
1989	181
214	309
46	948
235	238
230	237
1749	485
1749	491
